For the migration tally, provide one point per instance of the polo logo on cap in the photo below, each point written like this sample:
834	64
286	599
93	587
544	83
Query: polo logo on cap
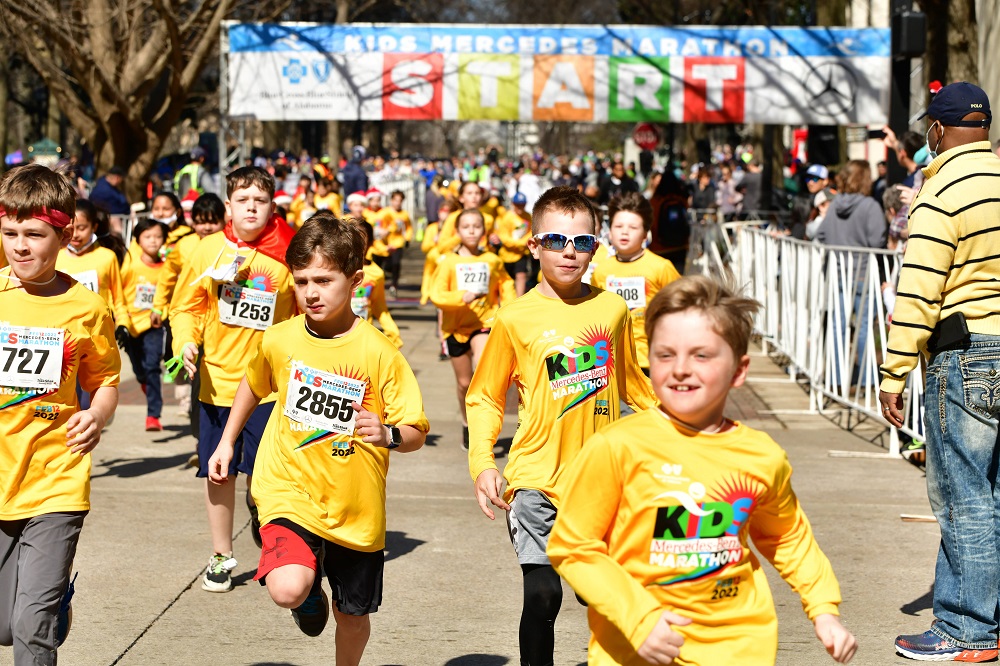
976	106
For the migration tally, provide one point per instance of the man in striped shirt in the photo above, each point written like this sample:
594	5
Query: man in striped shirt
948	306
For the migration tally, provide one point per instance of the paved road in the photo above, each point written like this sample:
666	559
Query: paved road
452	584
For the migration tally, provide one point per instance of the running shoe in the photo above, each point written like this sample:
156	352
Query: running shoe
153	424
64	621
254	521
928	646
218	574
914	450
312	615
465	437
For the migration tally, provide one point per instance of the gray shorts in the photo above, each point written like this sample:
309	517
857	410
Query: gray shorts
529	523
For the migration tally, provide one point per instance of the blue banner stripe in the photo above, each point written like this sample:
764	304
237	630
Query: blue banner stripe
621	40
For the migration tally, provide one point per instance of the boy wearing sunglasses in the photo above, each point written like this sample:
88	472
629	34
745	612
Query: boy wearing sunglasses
569	349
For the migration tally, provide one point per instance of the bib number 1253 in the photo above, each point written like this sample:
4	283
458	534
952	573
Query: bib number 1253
246	307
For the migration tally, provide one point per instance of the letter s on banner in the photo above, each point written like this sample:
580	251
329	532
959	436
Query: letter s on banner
411	86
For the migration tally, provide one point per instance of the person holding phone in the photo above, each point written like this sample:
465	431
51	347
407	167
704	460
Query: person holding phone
946	307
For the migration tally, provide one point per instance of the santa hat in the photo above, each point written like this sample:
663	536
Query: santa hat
187	203
282	198
373	192
358	197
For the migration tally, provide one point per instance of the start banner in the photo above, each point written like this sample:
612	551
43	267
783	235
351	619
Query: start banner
598	73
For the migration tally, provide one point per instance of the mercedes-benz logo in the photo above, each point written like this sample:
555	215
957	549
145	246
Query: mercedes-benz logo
832	88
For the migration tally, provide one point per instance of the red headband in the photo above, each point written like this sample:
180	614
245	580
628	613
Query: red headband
56	218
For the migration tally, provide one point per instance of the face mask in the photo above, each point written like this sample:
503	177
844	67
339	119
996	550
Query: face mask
932	152
166	220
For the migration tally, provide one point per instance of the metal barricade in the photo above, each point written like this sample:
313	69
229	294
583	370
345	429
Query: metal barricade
413	189
824	310
124	224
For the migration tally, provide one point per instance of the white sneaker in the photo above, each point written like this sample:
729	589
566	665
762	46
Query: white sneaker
218	574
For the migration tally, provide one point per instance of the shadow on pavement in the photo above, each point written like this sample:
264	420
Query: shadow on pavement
176	432
129	468
414	315
478	660
398	544
924	602
245	577
431	439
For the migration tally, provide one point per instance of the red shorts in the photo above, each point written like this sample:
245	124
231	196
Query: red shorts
282	546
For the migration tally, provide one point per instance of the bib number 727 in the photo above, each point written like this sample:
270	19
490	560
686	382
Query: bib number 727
30	357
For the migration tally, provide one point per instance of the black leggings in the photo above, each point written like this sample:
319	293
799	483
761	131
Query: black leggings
395	264
542	599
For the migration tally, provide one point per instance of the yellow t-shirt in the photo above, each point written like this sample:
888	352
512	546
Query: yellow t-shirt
141	284
397	227
38	472
431	256
98	271
330	483
260	293
457	274
637	282
448	238
656	517
175	257
571	362
514	232
331	202
368	302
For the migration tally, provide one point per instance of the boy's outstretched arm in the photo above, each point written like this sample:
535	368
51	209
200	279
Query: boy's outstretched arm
782	533
243	405
835	637
485	402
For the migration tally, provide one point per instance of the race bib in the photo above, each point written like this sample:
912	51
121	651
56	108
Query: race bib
632	289
473	277
246	307
322	400
30	357
88	279
519	232
144	293
359	306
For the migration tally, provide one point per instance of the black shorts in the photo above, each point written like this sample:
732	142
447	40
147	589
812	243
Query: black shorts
456	348
519	266
355	577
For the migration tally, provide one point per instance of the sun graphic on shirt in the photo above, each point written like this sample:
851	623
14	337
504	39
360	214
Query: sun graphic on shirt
69	356
258	279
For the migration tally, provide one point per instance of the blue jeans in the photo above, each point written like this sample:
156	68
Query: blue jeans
145	352
962	409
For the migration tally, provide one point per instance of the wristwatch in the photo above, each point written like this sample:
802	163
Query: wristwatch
395	437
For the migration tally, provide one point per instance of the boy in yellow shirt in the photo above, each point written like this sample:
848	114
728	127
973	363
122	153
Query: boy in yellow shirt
659	507
145	346
346	399
234	288
59	333
631	272
568	348
469	286
513	228
372	214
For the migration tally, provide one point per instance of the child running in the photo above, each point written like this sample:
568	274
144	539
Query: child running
368	301
512	229
470	195
54	332
234	288
346	399
469	286
568	347
658	509
632	272
145	346
395	224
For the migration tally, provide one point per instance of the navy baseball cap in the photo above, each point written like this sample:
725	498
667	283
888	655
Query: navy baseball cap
957	100
519	198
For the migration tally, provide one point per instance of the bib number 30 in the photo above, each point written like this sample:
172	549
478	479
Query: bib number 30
322	399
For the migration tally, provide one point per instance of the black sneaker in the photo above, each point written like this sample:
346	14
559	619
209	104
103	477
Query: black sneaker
64	620
312	615
218	574
254	521
465	437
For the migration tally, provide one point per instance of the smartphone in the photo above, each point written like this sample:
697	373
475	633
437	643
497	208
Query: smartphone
950	333
876	134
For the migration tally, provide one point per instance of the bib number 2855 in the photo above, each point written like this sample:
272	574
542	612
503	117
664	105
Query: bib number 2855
329	405
322	399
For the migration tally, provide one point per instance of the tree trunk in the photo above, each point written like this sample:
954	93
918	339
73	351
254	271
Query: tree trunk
4	95
963	41
333	140
988	20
